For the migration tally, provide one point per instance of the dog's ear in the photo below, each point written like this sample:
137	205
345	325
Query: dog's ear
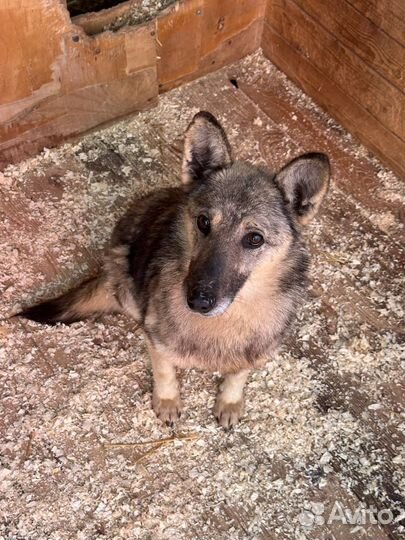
304	182
206	148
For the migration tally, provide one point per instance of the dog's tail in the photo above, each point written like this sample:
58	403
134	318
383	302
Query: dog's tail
92	297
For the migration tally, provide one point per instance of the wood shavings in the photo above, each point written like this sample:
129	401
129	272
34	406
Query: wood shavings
82	454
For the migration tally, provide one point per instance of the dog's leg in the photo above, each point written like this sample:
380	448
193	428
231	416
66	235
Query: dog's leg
229	404
166	397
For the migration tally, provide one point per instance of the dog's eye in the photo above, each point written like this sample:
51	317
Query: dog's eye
203	223
252	240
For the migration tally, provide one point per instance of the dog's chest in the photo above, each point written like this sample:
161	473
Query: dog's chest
238	339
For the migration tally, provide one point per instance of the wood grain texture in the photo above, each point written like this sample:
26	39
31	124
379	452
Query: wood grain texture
65	116
200	36
335	100
339	64
73	83
352	67
28	50
65	78
178	50
60	81
389	16
361	36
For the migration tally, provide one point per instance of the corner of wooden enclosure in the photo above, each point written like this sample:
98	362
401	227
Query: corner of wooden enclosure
63	76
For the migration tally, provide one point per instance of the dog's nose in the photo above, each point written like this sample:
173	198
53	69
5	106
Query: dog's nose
201	301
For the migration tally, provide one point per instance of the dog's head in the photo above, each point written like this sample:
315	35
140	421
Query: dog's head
241	217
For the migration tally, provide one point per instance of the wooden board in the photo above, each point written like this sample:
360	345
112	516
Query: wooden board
64	82
354	71
357	179
200	36
389	16
63	77
361	36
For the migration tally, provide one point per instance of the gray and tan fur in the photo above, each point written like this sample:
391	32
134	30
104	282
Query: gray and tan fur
213	270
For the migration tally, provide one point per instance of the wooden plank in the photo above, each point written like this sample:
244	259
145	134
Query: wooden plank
178	51
230	50
389	16
55	119
337	102
79	61
361	36
28	50
222	23
200	36
339	64
70	82
92	81
86	80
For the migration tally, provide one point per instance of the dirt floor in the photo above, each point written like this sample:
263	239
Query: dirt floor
82	454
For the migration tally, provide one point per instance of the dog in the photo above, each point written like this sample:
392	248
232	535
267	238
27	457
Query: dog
213	270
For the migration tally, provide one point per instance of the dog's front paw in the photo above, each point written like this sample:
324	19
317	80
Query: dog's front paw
167	410
228	414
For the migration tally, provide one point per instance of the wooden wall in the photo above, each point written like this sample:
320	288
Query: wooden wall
59	77
349	56
56	81
204	36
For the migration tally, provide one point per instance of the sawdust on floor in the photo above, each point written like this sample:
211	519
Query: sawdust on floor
82	454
